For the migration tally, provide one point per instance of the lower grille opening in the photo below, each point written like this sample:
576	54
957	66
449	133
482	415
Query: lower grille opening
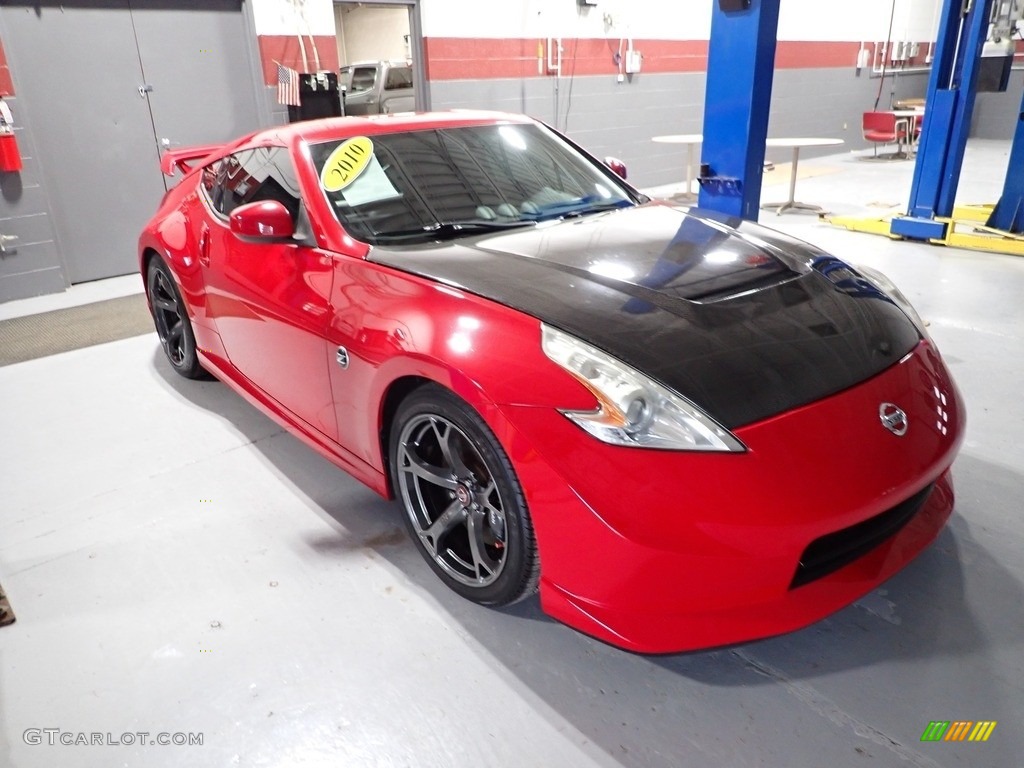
834	550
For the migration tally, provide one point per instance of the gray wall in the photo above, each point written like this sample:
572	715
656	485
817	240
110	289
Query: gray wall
33	264
619	119
831	102
996	114
45	210
278	112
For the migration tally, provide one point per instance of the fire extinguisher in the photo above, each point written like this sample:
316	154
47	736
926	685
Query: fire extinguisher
10	157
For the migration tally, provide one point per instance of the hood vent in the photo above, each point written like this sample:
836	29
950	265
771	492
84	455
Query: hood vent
752	283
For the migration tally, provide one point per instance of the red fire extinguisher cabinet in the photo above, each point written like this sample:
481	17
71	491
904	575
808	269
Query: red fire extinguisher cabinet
10	157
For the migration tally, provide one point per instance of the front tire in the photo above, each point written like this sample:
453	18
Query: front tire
170	316
464	507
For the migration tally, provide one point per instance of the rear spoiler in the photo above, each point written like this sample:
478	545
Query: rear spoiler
186	158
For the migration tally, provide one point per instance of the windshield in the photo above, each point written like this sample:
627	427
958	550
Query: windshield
440	184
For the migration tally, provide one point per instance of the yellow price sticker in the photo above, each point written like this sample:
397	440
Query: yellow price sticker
345	163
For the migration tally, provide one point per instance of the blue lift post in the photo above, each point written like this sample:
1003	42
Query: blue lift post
741	64
1008	214
951	92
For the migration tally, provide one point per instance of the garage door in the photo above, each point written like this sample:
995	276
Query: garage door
106	84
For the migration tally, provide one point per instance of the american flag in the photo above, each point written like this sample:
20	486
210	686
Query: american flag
287	86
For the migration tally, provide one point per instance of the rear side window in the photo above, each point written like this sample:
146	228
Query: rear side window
398	78
265	173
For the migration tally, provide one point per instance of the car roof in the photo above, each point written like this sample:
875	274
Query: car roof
329	128
376	62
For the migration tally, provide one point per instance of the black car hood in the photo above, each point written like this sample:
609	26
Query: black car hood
744	322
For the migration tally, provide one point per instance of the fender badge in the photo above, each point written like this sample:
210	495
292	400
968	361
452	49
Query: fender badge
893	419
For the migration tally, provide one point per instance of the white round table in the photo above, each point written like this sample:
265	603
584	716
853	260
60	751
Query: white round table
690	140
796	145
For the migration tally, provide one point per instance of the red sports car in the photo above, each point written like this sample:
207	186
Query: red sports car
684	429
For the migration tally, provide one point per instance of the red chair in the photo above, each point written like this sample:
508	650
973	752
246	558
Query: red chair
885	128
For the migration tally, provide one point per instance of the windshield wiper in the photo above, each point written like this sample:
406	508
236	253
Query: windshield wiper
450	230
575	207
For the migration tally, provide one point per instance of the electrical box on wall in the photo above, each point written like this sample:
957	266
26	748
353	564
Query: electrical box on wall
634	60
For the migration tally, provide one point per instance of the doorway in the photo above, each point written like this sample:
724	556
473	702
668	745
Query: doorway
380	51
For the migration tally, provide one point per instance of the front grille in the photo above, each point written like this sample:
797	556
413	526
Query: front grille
834	550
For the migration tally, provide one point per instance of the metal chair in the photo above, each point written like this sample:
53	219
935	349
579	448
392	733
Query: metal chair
885	128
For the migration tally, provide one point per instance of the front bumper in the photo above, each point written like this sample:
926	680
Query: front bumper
659	551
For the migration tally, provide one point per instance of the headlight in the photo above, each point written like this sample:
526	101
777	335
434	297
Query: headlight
887	287
632	409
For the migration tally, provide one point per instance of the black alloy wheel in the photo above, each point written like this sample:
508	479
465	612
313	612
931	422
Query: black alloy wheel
464	506
171	319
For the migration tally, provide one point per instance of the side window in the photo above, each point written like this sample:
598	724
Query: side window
398	78
363	78
275	179
265	173
209	178
233	182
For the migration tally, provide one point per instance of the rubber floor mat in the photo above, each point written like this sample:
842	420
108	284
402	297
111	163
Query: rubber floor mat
32	336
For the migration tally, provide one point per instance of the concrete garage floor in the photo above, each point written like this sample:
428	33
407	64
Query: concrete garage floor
178	564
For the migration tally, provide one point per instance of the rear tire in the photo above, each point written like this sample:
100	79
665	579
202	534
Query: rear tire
170	316
464	507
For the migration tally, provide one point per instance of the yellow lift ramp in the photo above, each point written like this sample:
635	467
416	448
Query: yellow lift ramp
967	228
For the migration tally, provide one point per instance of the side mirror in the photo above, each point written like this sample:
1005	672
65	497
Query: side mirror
618	167
263	220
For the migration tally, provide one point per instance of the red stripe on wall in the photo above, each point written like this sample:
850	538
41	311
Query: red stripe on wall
6	83
457	58
286	50
792	54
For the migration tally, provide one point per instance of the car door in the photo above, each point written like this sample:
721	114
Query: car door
398	94
269	298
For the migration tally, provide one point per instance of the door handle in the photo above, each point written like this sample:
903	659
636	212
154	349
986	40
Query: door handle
204	246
